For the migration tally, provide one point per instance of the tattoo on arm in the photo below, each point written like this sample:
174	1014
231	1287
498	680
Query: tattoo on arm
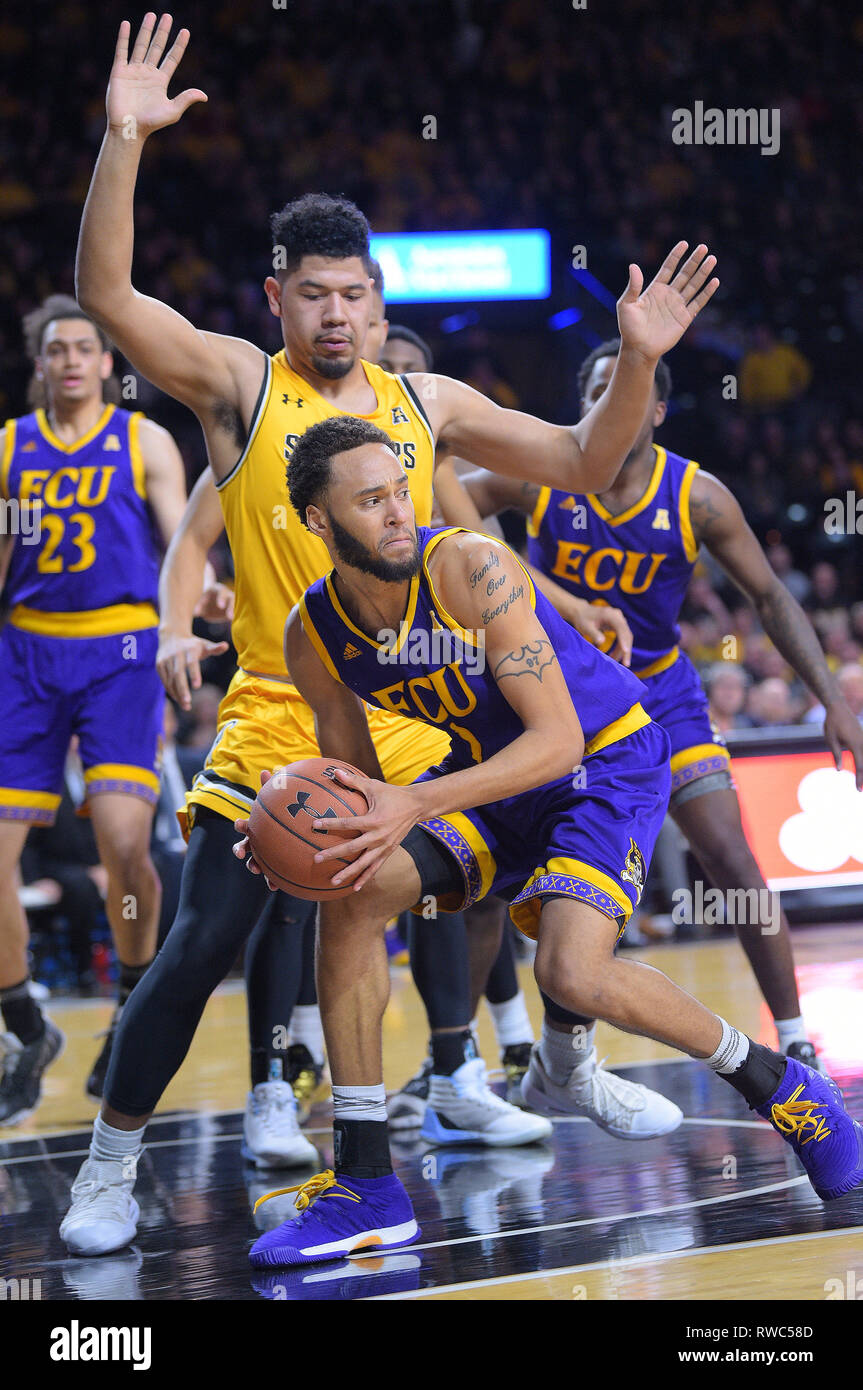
514	594
492	561
530	660
704	514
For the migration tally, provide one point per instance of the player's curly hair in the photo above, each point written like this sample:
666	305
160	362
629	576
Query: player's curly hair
308	472
610	349
33	325
319	225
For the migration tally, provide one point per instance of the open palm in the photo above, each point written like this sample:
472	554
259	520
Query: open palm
137	102
651	321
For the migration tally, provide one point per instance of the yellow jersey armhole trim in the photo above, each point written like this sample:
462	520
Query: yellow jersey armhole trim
534	521
689	543
139	472
257	419
448	618
10	427
314	637
413	401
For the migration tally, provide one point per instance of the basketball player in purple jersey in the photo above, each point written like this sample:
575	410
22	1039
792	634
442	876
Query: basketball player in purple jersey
95	490
635	546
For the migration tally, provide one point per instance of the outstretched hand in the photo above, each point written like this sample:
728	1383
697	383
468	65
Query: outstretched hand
652	320
137	102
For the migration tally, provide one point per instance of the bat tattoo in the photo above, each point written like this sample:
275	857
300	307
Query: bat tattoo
530	660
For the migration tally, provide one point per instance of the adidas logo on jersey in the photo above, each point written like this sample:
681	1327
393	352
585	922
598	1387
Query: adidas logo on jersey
660	520
112	443
567	504
29	447
350	652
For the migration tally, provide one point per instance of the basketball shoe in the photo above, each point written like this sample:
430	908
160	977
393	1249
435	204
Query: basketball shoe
96	1080
103	1215
463	1110
304	1076
271	1130
23	1065
807	1109
407	1107
516	1060
337	1216
625	1109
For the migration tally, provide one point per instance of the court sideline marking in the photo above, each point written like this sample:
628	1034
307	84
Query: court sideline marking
627	1261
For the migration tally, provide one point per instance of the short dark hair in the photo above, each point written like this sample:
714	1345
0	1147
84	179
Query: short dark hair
308	470
610	349
33	325
318	225
56	306
377	277
407	335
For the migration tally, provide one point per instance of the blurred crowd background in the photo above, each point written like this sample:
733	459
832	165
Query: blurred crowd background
546	115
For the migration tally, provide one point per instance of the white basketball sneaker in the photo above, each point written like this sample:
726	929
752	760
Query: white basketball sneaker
104	1214
271	1129
462	1110
623	1108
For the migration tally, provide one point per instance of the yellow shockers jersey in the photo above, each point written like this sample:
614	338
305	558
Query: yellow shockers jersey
263	722
275	557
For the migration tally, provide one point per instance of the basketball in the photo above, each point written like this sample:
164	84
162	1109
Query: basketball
280	827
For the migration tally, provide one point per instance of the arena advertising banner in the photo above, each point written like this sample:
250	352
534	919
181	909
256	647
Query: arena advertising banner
452	266
803	819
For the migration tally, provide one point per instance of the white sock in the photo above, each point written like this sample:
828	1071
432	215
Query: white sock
511	1023
360	1103
731	1053
562	1053
115	1144
306	1028
790	1030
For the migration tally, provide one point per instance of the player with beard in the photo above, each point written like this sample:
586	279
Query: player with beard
253	408
503	813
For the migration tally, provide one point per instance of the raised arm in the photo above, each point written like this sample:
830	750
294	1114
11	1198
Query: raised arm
585	457
719	523
203	370
341	726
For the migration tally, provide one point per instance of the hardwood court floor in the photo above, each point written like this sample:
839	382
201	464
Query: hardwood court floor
718	1210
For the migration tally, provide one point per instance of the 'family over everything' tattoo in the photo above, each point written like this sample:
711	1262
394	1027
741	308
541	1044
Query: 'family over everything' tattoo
512	596
493	562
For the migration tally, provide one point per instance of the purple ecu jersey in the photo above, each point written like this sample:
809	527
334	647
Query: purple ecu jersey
587	836
639	561
77	655
97	547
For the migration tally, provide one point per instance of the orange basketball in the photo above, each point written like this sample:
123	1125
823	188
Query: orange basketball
280	827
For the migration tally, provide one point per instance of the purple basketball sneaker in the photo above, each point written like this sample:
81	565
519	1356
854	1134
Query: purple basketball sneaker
337	1216
807	1109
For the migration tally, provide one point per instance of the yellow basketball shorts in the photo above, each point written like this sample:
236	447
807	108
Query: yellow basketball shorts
264	724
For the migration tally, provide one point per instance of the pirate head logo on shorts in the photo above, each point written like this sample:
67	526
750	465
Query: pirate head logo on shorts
634	871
